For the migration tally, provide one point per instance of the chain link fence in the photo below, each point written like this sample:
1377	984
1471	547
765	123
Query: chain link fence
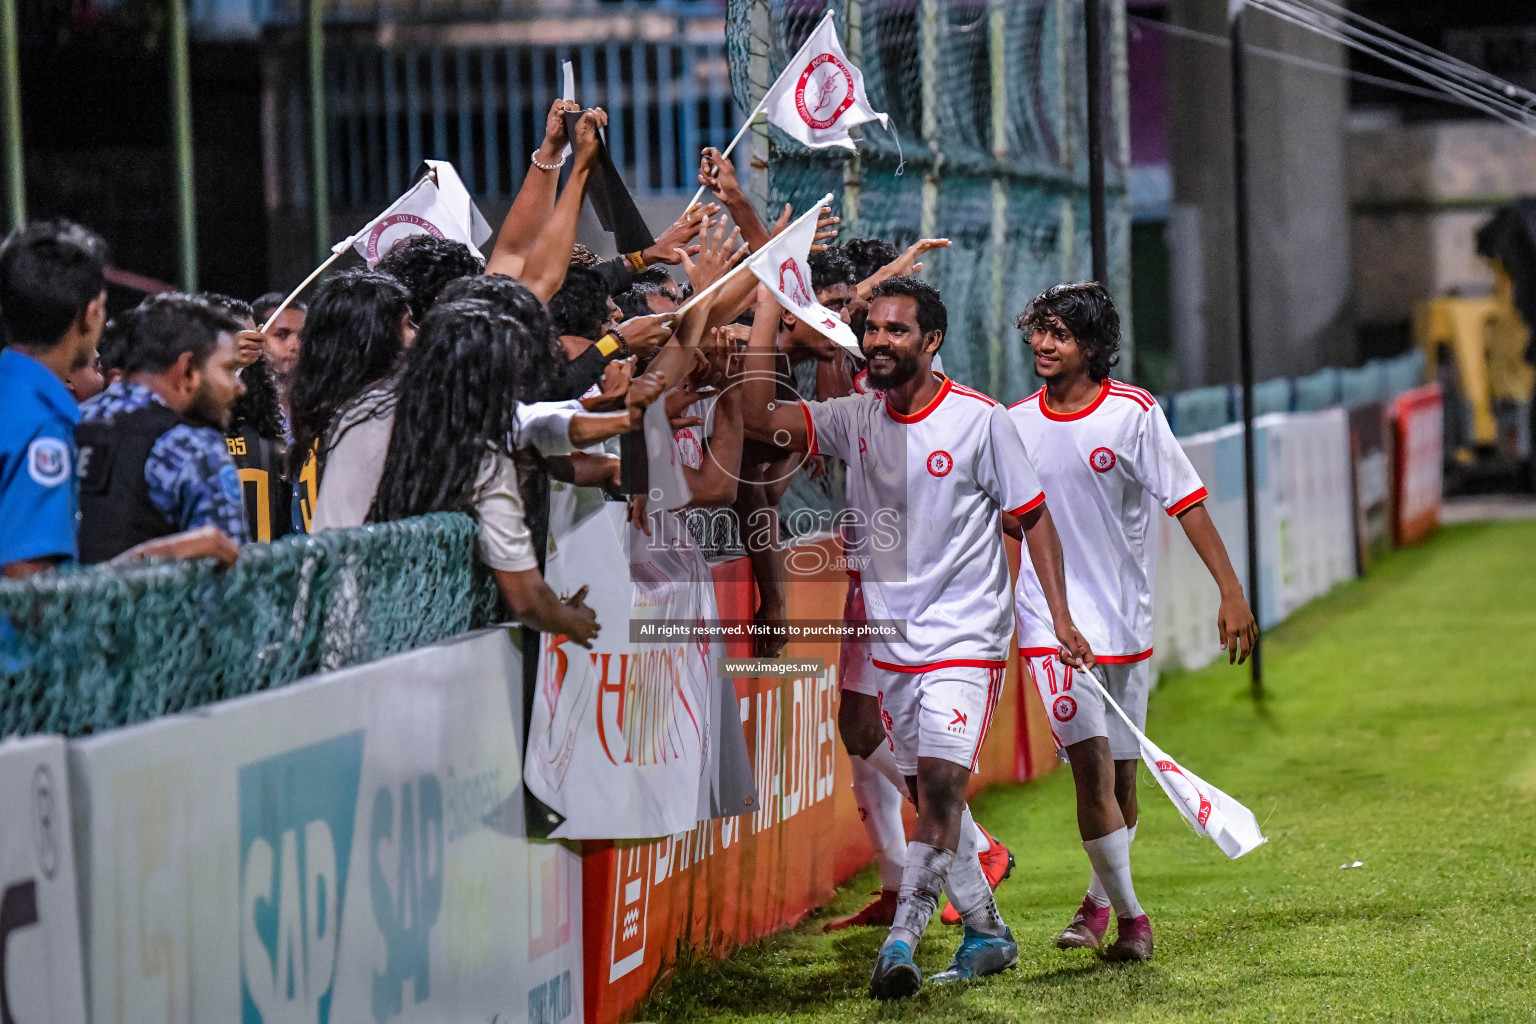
87	649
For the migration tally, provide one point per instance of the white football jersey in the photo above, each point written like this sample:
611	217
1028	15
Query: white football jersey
927	489
1109	468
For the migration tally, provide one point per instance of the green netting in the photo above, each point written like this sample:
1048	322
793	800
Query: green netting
989	99
87	649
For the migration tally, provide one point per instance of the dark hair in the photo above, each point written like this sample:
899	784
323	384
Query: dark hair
351	341
267	302
580	307
582	255
258	410
151	336
424	264
237	308
1085	309
637	300
510	297
656	275
931	314
49	273
456	399
831	267
868	255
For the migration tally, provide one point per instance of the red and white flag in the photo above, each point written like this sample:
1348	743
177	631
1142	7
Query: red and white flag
820	95
1211	812
782	265
438	205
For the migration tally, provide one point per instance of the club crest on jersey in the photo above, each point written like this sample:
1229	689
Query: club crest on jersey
48	461
1102	460
1064	708
824	91
940	463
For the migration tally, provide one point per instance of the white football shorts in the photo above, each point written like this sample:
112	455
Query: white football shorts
854	670
940	712
1076	709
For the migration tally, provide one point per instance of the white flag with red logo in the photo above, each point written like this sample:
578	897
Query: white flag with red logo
782	265
820	95
437	205
1211	812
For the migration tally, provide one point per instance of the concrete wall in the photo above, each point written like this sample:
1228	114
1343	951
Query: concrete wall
1299	222
1419	193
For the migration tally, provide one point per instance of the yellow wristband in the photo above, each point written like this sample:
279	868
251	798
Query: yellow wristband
636	261
607	345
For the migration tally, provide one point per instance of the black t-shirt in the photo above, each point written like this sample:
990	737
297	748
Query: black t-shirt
268	495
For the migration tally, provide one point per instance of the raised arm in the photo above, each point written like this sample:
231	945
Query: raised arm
906	263
718	174
761	415
1234	619
535	200
544	270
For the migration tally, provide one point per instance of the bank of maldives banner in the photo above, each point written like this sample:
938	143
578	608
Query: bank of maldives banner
632	740
344	850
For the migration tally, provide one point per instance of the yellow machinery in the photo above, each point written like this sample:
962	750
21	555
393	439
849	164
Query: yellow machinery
1476	348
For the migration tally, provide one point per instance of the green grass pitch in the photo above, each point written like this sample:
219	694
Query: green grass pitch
1399	730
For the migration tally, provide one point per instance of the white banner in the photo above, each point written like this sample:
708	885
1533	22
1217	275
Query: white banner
633	740
438	205
40	972
348	850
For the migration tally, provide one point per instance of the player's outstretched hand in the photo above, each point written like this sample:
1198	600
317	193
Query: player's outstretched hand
645	334
1239	632
680	234
580	621
1074	648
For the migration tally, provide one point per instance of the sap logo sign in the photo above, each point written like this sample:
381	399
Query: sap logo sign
412	843
296	815
550	1002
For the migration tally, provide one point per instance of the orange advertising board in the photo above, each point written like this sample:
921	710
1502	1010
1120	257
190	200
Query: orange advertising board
734	880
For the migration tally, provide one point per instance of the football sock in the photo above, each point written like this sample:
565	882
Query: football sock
880	809
884	762
968	891
1111	858
921	883
1096	888
983	841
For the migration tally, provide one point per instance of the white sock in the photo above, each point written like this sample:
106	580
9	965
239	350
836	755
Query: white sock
880	809
884	762
1096	888
983	841
921	882
968	891
1111	858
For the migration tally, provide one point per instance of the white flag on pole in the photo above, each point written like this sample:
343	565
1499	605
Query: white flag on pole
438	205
1211	812
820	95
782	265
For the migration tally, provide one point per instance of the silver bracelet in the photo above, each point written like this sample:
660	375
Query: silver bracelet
534	156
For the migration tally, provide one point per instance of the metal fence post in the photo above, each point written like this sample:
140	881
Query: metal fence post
10	83
321	193
181	129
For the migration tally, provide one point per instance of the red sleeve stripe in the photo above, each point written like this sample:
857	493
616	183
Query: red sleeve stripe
810	430
1139	397
1141	392
1029	506
1025	401
961	389
1186	503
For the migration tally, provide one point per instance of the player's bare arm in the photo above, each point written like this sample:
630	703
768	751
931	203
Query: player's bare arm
762	416
1234	619
1038	533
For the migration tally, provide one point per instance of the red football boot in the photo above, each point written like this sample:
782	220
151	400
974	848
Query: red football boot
996	864
1087	929
1134	941
880	911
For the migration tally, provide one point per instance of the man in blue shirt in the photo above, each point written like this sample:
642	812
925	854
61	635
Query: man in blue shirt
53	303
153	460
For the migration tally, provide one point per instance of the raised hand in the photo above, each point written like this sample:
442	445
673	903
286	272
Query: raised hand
588	136
716	255
643	390
555	137
718	174
614	387
680	233
826	229
645	334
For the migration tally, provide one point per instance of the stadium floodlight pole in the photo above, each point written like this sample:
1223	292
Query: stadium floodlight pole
1093	33
181	127
1245	319
10	83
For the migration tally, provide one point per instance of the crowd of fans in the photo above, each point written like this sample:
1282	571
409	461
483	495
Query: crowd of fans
438	380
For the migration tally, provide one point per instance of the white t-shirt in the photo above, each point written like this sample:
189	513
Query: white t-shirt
929	487
356	449
1104	466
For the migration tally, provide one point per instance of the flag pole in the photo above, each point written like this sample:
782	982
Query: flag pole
700	296
760	108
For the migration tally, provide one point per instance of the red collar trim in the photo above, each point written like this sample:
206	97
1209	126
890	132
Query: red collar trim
1084	411
900	417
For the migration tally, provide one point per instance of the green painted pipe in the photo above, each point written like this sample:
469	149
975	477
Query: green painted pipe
322	190
181	129
10	85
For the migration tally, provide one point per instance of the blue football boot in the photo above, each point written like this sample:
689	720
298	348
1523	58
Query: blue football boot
980	955
896	976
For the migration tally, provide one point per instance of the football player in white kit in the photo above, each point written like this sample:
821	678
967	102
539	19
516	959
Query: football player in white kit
1104	450
934	467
